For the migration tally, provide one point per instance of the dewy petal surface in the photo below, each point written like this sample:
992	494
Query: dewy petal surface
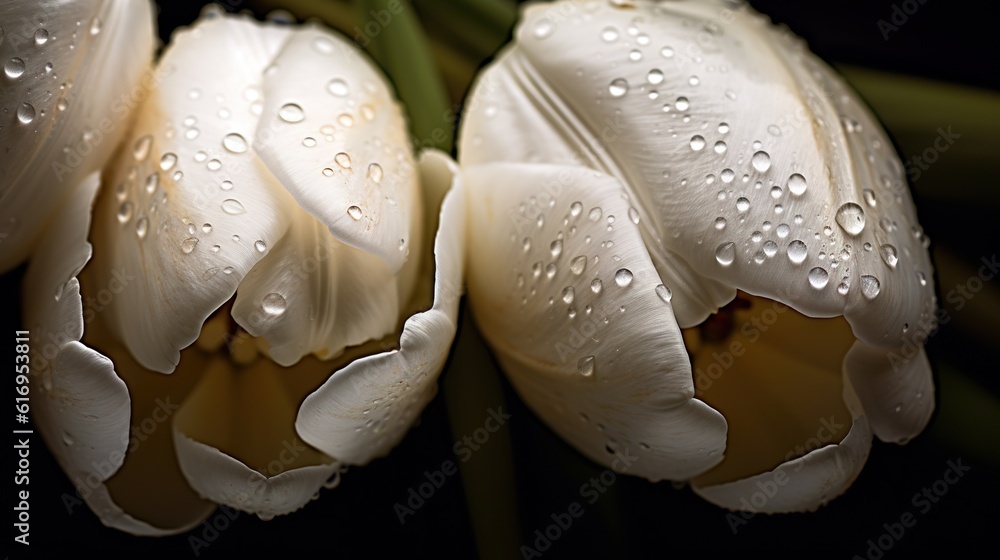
751	163
566	293
70	70
198	212
363	410
83	408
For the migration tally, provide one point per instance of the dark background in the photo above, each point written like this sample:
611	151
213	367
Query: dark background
949	41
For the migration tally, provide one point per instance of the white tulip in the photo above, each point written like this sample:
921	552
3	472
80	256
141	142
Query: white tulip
637	168
261	227
72	73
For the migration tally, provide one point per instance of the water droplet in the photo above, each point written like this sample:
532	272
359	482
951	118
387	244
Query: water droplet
720	223
188	245
375	173
725	253
727	175
585	366
682	104
697	142
635	55
210	272
742	204
870	286
41	36
95	26
526	244
354	212
796	184
338	87
14	67
543	28
667	52
25	113
214	165
274	304
291	113
233	207
568	294
345	120
693	81
595	214
797	251
633	215
67	439
870	198
818	277
578	265
152	181
260	245
761	161
664	293
776	192
168	161
889	255
596	285
235	143
609	35
922	278
191	133
142	227
618	87
343	160
623	277
556	248
851	217
309	142
226	185
770	248
550	270
125	212
322	45
655	76
720	147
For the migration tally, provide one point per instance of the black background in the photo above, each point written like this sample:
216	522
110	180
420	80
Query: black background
950	41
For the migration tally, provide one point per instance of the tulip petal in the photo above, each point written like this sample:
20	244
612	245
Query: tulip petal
344	154
365	409
64	86
83	407
314	294
896	388
769	176
566	294
802	484
193	209
236	443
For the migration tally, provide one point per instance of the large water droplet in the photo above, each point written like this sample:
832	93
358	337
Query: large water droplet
41	36
188	245
725	253
568	294
375	173
260	245
742	204
664	293
25	113
142	227
818	277
274	304
851	217
14	67
338	87
233	207
556	248
355	212
125	212
618	87
623	277
682	104
655	76
770	248
291	113
578	265
761	161
168	161
152	181
609	35
889	255
585	366
596	285
797	251
595	214
870	286
796	184
343	160
235	143
697	142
